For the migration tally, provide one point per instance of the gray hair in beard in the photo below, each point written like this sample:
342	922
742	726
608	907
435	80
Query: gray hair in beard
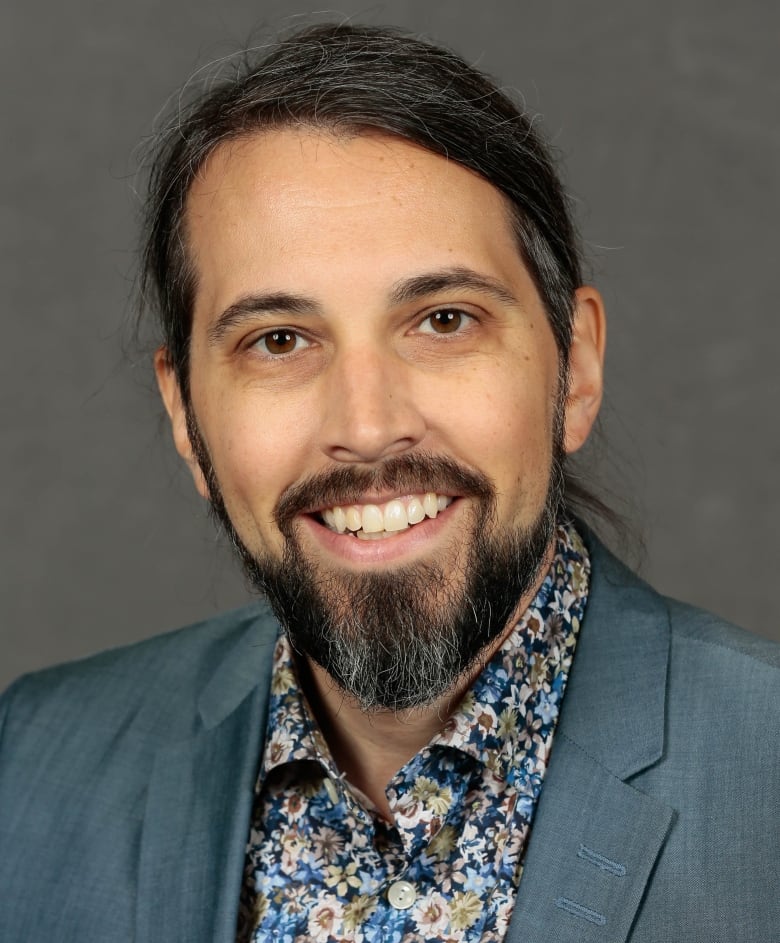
397	640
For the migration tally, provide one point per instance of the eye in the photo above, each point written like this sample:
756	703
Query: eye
445	321
281	341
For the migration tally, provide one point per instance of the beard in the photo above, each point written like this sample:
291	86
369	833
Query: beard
399	639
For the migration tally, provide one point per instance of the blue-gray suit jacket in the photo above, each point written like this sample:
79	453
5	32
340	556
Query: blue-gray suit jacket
126	785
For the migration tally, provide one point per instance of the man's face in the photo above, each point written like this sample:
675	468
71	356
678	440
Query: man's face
373	378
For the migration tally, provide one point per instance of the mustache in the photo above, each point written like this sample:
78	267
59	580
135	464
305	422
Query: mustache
404	474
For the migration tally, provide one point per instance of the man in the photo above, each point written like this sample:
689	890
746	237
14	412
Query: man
476	724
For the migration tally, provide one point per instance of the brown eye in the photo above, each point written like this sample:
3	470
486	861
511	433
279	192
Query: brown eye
281	342
445	321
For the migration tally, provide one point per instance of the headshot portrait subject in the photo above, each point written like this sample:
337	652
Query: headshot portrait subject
452	714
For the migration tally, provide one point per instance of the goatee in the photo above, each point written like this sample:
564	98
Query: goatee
398	639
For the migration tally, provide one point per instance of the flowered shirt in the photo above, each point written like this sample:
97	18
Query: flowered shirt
323	865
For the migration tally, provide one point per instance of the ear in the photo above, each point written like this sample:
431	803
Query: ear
174	404
586	367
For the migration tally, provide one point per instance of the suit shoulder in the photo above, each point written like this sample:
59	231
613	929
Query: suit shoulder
149	681
615	590
718	670
718	638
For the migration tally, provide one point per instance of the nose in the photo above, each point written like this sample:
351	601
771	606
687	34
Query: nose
370	410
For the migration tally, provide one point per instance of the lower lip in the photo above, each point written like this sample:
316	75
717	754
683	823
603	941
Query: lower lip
401	546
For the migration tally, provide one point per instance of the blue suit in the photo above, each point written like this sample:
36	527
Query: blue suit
126	784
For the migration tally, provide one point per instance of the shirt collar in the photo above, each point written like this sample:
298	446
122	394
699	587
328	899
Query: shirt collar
519	690
511	696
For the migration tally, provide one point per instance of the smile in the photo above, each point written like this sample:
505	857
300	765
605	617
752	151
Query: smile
377	521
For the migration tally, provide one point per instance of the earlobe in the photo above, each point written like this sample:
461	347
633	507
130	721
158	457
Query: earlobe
586	367
170	392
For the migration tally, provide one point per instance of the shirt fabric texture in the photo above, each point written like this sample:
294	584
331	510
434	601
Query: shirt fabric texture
323	865
127	783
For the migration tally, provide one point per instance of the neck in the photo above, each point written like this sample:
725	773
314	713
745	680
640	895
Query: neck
370	748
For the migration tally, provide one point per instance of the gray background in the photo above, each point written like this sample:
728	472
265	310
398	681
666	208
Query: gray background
666	114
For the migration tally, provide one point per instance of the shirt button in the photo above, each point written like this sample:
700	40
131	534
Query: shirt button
330	788
401	895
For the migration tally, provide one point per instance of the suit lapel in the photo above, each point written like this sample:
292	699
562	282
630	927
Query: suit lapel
593	845
199	805
595	838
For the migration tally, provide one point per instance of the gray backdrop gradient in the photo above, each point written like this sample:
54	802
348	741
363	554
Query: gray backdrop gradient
666	115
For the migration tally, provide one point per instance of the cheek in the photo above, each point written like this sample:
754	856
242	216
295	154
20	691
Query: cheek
256	446
508	424
504	403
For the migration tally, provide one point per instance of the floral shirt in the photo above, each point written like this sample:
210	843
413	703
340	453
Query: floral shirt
321	864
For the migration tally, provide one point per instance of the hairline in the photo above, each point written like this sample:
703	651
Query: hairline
341	131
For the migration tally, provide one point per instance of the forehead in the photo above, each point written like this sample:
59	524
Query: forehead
317	209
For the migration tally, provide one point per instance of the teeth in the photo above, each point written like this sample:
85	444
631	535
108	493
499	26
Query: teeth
394	517
353	518
339	520
370	521
415	512
373	521
430	504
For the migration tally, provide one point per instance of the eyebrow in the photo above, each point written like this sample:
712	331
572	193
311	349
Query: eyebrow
451	279
404	291
264	303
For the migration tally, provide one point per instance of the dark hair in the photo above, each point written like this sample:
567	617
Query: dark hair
350	79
